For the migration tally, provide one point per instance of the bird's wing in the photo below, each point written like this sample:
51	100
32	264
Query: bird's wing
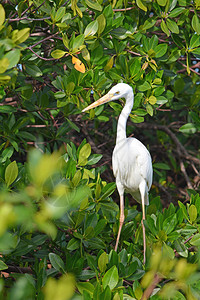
145	168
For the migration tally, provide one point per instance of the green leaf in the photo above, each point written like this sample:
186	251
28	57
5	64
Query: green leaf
188	128
2	15
181	248
173	27
73	244
196	24
144	87
33	70
94	5
84	154
135	67
192	211
13	57
85	286
164	28
85	54
91	28
103	261
101	23
59	14
162	2
168	251
111	278
3	266
195	41
162	166
11	173
149	109
94	158
177	11
78	41
141	5
195	241
183	208
20	36
58	53
57	262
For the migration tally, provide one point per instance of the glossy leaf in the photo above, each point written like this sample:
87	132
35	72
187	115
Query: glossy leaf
111	278
91	29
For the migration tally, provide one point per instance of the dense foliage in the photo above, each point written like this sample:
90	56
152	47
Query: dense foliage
58	211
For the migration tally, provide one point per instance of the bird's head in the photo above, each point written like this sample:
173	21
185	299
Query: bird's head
120	90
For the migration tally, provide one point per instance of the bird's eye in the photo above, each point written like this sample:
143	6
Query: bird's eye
117	93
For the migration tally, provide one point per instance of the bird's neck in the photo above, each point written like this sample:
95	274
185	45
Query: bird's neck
121	125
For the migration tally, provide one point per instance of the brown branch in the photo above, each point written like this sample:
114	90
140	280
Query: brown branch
15	269
135	53
182	152
28	19
183	70
45	39
43	58
124	9
147	293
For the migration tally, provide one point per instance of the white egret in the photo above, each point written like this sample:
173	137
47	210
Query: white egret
131	161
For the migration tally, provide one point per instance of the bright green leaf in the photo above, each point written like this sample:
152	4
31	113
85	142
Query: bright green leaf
173	27
13	57
192	211
56	262
20	36
164	28
11	173
141	5
94	5
195	241
188	128
111	278
91	29
103	261
101	23
196	24
58	53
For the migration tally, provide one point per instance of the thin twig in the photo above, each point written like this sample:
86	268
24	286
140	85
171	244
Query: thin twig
123	9
28	19
43	58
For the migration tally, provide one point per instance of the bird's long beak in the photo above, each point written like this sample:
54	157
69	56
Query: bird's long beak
102	100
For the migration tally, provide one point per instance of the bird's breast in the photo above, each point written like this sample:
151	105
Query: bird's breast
131	164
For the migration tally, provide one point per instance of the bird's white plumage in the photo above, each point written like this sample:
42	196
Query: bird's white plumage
132	165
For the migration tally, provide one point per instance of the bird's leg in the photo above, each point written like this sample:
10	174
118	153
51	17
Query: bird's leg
121	220
143	229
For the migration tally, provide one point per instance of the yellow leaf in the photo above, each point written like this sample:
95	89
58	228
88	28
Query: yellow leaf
20	36
109	64
2	15
61	289
78	65
152	100
145	65
4	63
86	54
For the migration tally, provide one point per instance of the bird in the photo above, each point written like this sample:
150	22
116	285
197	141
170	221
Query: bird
131	161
